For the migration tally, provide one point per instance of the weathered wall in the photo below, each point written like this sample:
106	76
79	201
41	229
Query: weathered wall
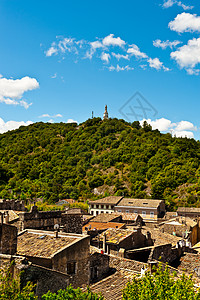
8	239
45	279
12	205
123	263
78	253
72	223
99	266
165	253
40	219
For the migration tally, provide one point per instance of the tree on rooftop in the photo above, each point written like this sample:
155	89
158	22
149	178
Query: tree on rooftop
70	293
161	286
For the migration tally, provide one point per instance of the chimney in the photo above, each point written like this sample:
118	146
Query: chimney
104	243
7	217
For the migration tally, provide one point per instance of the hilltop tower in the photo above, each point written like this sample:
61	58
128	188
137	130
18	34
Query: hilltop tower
105	115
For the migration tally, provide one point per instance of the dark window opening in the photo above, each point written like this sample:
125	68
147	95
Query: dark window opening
71	268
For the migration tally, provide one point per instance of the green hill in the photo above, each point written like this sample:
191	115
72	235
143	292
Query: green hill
97	158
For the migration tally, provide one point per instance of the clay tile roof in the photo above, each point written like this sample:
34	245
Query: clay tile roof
13	215
128	216
116	236
42	244
139	202
105	217
161	238
188	210
102	226
107	200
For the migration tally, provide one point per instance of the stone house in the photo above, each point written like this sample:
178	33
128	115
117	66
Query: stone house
105	205
61	252
115	240
191	212
12	204
149	209
182	227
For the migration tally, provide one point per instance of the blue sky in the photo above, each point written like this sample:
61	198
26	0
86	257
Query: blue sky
61	60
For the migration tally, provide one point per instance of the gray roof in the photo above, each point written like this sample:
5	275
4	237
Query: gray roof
188	210
128	202
107	200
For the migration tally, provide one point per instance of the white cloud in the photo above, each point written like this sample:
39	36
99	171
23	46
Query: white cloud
155	63
119	56
54	76
170	3
71	121
118	68
105	57
52	50
183	134
110	40
179	129
134	50
11	125
159	44
12	90
188	56
185	125
49	116
185	22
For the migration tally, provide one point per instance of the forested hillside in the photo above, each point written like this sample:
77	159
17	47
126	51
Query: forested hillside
56	161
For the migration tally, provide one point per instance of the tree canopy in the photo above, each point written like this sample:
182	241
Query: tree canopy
59	161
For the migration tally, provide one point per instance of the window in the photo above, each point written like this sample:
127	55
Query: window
144	214
97	213
92	206
127	211
71	268
97	206
135	212
92	212
119	210
101	212
107	206
152	214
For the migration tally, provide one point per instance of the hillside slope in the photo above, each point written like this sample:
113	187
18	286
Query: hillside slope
54	161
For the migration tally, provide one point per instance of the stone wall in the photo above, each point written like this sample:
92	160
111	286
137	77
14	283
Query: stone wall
45	279
72	223
77	253
125	264
12	205
99	266
40	219
8	239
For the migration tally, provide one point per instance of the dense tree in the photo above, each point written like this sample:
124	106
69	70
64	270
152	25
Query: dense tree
161	286
54	161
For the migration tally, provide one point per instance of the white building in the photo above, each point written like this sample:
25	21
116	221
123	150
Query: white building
105	205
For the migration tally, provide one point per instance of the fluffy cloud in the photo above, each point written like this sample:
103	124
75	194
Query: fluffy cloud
185	125
155	63
170	3
48	116
134	50
11	125
185	22
105	57
119	56
110	40
179	129
71	121
118	68
159	44
104	49
188	56
12	90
